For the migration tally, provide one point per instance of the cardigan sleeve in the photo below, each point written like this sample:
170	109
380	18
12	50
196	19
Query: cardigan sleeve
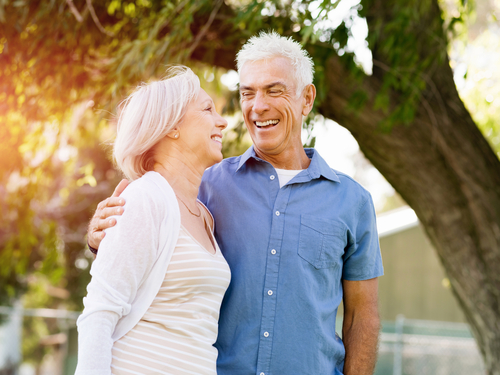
126	256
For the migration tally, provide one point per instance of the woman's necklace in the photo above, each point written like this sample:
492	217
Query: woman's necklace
185	205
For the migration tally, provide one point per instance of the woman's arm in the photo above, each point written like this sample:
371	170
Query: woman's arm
126	256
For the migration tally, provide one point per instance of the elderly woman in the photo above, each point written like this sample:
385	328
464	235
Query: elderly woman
159	279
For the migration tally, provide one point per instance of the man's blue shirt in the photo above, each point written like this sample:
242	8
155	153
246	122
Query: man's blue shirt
288	250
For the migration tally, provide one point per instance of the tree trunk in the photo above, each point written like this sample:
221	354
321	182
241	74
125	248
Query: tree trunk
447	172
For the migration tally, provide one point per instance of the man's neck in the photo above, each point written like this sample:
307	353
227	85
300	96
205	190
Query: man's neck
294	159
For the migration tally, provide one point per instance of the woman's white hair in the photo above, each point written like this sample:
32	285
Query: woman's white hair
270	44
148	115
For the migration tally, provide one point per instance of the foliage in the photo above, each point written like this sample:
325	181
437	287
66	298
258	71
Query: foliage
474	57
59	83
52	74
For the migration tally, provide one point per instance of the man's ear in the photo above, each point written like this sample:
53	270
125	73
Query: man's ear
309	94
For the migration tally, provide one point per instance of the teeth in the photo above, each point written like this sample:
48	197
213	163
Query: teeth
216	138
266	123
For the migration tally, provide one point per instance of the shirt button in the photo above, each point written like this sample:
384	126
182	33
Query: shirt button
273	251
272	177
270	292
277	213
266	334
262	373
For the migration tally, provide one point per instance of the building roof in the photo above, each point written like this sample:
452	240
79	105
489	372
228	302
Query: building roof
396	221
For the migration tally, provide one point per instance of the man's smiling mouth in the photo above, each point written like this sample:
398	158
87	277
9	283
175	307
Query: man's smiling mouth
265	124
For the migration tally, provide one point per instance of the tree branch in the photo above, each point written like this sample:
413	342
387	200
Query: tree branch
205	28
96	20
428	108
75	11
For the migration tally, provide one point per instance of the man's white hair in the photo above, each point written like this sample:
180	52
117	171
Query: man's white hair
148	115
269	45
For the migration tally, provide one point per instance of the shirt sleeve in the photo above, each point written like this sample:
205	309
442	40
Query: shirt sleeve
126	256
362	259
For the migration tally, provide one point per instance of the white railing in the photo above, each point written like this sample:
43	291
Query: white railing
11	338
407	347
418	347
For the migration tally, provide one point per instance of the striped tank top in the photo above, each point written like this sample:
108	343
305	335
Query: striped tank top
177	333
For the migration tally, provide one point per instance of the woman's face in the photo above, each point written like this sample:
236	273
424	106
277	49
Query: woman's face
201	130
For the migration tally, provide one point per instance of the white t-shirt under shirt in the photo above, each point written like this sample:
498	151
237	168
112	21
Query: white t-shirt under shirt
285	175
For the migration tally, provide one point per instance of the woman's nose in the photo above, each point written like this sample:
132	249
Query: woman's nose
222	122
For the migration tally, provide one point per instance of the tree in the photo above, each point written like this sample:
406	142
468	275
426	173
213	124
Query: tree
407	115
439	163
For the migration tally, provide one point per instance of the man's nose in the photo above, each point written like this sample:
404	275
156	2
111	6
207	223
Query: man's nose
260	104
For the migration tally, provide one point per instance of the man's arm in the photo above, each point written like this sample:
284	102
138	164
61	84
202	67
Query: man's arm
361	326
108	207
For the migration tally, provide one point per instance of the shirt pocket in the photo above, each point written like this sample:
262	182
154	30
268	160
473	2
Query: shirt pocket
322	242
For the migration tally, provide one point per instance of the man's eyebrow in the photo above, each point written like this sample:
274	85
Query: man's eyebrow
268	86
277	83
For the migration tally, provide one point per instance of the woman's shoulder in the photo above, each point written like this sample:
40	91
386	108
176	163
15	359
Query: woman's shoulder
151	191
151	184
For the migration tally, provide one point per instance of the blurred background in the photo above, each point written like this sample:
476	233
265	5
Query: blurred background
65	66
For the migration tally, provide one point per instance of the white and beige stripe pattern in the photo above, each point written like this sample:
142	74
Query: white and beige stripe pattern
177	333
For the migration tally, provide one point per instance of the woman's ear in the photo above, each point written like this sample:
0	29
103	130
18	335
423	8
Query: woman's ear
175	134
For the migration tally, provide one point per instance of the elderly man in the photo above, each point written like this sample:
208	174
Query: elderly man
299	237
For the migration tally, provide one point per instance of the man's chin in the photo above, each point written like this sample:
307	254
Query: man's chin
268	150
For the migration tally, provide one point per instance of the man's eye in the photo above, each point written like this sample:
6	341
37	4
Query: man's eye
208	109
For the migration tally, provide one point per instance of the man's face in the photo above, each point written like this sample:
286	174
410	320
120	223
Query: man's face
270	106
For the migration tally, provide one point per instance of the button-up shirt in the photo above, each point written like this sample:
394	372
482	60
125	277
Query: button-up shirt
288	249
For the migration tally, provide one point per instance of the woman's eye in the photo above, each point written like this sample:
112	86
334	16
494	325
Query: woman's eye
208	109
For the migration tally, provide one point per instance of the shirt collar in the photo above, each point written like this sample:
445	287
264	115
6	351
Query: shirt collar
317	168
250	153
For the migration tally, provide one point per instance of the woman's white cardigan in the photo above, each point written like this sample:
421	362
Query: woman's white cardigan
129	270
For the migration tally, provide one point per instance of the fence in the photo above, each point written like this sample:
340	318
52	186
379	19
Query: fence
407	347
61	340
411	347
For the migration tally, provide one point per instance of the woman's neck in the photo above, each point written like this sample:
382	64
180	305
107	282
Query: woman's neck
184	178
